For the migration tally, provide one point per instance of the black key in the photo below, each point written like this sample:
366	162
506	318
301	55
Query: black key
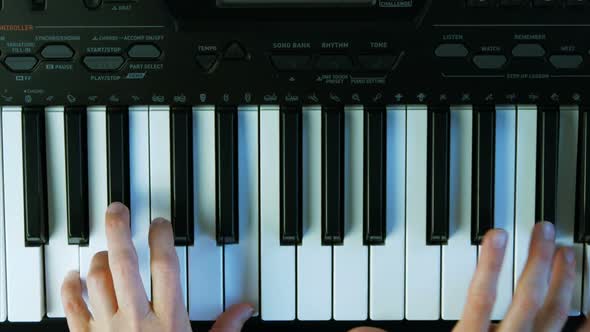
582	221
547	158
483	172
291	169
35	177
437	201
226	173
333	175
375	182
181	138
77	175
118	155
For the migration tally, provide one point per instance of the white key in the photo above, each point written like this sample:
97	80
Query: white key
586	295
422	261
504	201
387	262
59	256
459	257
205	256
241	260
139	184
97	186
351	259
3	305
526	165
277	262
24	273
314	261
160	195
566	195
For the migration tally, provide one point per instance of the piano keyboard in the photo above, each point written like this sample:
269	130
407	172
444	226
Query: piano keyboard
309	213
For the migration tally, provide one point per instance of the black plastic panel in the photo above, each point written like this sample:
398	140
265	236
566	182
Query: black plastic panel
402	44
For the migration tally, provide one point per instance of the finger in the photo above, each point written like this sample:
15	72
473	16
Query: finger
101	292
131	295
166	290
555	311
233	319
482	291
534	282
75	308
586	326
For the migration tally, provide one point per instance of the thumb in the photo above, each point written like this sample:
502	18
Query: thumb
233	319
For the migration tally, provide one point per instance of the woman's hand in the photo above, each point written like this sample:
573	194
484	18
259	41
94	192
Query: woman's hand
116	294
543	295
542	298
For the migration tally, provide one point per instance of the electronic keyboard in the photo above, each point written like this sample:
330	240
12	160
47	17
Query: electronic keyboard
333	162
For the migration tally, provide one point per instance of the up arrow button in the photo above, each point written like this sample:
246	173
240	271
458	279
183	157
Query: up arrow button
234	51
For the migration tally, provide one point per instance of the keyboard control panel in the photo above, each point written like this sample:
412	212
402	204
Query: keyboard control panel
260	52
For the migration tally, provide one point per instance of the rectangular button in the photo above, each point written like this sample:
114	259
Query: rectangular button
35	177
226	156
291	224
582	222
333	63
291	62
484	147
512	3
332	175
77	175
375	138
478	3
439	135
576	3
546	3
547	160
118	155
181	150
38	5
103	62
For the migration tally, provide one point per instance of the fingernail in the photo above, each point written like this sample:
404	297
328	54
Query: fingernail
116	209
548	230
249	313
499	240
160	221
568	254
